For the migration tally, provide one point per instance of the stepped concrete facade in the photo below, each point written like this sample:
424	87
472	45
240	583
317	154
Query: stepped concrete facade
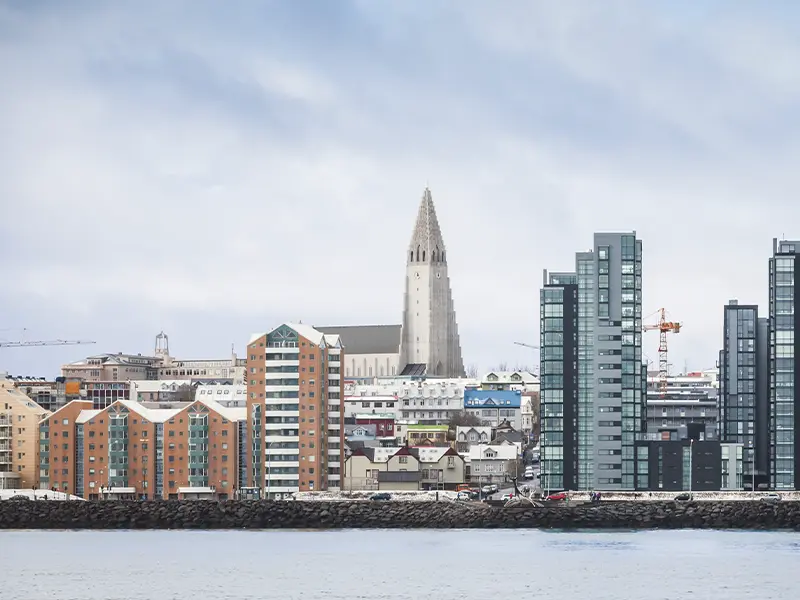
430	343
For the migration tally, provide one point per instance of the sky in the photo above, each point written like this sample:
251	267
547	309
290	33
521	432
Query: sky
216	169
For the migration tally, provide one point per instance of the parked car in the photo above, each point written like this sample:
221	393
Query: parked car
464	496
772	498
507	497
489	488
685	497
462	487
381	496
559	497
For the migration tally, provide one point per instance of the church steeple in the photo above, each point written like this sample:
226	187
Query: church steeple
427	245
429	344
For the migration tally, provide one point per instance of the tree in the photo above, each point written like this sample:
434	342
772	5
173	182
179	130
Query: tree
472	371
503	366
462	419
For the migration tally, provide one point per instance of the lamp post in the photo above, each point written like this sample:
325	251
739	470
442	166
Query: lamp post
480	476
691	448
753	464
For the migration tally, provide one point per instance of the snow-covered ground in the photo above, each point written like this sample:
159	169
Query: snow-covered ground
698	496
37	495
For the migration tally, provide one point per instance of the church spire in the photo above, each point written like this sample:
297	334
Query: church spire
427	245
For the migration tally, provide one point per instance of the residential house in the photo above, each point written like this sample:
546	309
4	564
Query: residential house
396	469
359	433
426	435
523	381
492	464
510	438
384	424
467	436
494	407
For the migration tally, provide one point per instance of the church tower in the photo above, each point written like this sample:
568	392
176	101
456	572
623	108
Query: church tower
429	343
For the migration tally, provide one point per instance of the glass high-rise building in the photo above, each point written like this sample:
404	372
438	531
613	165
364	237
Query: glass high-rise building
784	359
744	387
598	421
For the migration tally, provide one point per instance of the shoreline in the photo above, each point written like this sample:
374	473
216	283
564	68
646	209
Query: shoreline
321	515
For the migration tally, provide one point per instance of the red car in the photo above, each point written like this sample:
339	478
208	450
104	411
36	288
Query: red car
557	497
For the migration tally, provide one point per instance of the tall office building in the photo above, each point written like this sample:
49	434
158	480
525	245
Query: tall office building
784	356
592	394
744	387
294	406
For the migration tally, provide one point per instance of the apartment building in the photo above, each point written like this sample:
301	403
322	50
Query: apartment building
161	365
19	417
744	387
784	365
428	401
294	410
128	451
593	382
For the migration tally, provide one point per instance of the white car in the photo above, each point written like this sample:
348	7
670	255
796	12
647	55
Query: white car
507	497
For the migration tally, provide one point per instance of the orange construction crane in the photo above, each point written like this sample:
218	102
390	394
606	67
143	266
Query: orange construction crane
663	327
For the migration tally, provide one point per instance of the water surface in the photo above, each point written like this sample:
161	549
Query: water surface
397	565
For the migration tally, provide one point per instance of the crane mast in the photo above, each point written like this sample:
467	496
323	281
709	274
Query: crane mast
20	344
664	327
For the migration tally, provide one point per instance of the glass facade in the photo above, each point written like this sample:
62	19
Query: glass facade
738	380
782	365
118	447
596	432
558	385
198	447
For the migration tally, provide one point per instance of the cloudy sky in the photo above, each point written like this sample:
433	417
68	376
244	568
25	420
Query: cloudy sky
214	171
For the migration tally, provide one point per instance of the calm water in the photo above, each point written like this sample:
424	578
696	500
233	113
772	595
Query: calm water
379	565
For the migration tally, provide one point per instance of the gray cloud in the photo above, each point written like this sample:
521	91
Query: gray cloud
215	172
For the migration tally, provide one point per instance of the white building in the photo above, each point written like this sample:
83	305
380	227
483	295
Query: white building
232	396
360	405
490	464
160	366
523	381
429	401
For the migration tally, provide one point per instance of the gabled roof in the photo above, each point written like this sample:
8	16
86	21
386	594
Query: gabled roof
367	339
313	335
404	451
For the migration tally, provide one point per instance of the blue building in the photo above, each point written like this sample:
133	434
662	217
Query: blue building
495	406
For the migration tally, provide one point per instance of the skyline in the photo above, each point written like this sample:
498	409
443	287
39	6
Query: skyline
201	156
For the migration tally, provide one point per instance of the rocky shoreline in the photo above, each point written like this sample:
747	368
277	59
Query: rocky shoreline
393	515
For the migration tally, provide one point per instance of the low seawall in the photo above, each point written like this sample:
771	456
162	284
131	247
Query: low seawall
400	515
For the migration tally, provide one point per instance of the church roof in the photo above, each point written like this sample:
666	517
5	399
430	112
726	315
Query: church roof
427	234
367	339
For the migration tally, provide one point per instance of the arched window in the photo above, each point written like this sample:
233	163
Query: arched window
411	255
423	256
417	252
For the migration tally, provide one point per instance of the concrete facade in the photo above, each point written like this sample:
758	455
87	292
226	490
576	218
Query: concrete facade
19	438
430	339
